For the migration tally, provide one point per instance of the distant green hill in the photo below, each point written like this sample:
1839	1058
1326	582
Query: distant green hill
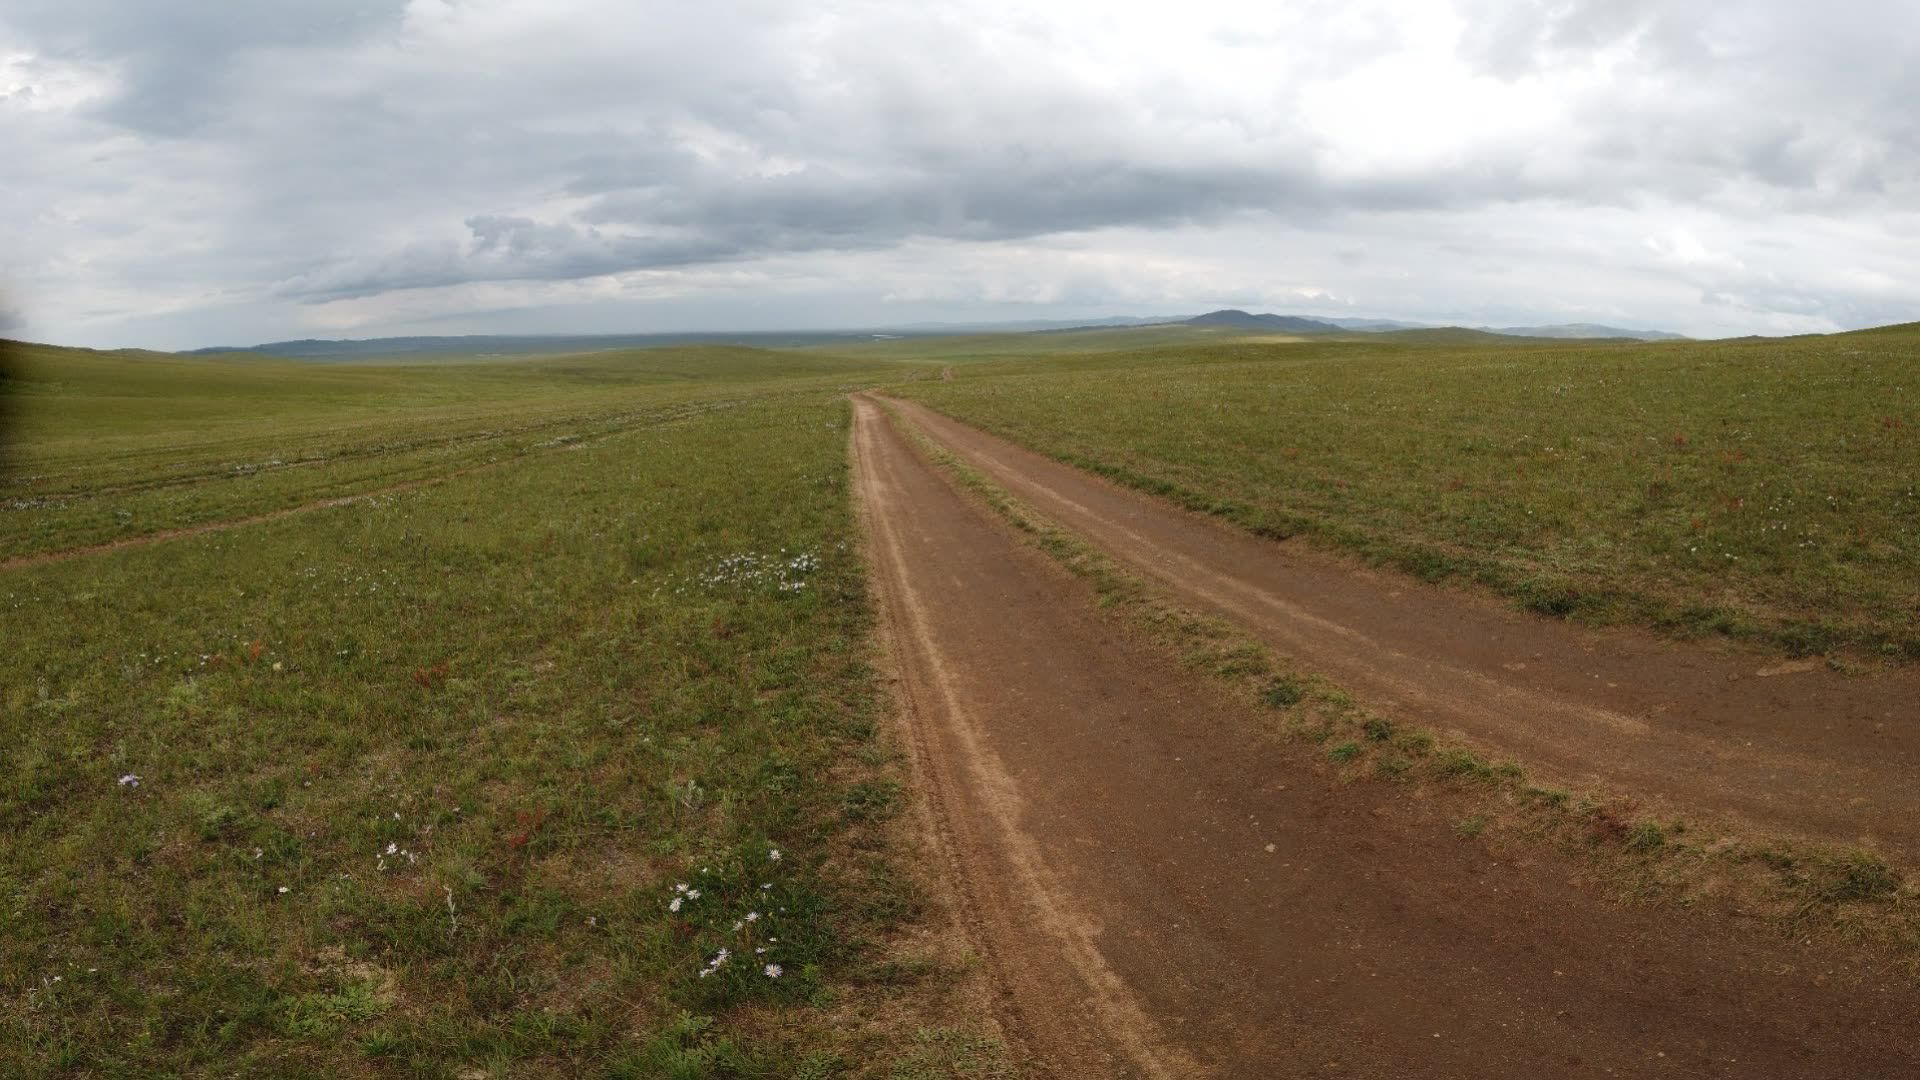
1241	320
1452	335
1584	331
480	346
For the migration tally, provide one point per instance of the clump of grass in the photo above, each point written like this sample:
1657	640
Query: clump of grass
1378	729
1415	743
1472	826
1344	752
1852	876
1465	763
1556	599
1646	836
1283	692
871	800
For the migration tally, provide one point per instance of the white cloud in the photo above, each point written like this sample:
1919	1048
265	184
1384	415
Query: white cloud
187	176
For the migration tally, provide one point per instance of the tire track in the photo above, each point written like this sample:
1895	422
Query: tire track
1161	892
44	558
1776	748
161	536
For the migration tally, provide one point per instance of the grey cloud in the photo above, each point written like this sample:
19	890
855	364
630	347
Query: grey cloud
176	57
887	160
686	216
1836	308
988	199
1802	97
1516	38
306	152
504	248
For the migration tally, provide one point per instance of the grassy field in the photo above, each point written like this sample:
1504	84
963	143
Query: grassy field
115	445
1767	490
568	765
475	764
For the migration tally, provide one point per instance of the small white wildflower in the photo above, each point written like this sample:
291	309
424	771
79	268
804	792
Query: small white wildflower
765	887
737	924
773	970
130	780
693	894
759	951
774	855
704	972
392	847
682	887
753	916
675	906
284	889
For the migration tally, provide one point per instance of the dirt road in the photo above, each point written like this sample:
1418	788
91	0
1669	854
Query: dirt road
1777	746
1163	893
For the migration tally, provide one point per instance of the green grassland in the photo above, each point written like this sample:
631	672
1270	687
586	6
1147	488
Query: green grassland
116	445
1762	489
469	779
429	773
961	348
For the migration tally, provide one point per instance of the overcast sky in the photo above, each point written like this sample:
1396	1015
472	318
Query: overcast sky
197	172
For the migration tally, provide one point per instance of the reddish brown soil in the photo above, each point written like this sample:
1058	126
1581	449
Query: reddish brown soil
1163	892
1762	743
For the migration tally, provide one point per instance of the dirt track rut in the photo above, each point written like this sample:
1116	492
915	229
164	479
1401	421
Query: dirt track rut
1779	746
1164	893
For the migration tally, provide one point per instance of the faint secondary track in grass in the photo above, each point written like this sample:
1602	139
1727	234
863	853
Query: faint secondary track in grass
1785	747
43	558
1162	891
214	472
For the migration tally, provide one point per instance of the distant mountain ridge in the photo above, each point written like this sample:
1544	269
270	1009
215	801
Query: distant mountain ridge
1234	317
1582	330
350	349
1296	324
1375	325
347	349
